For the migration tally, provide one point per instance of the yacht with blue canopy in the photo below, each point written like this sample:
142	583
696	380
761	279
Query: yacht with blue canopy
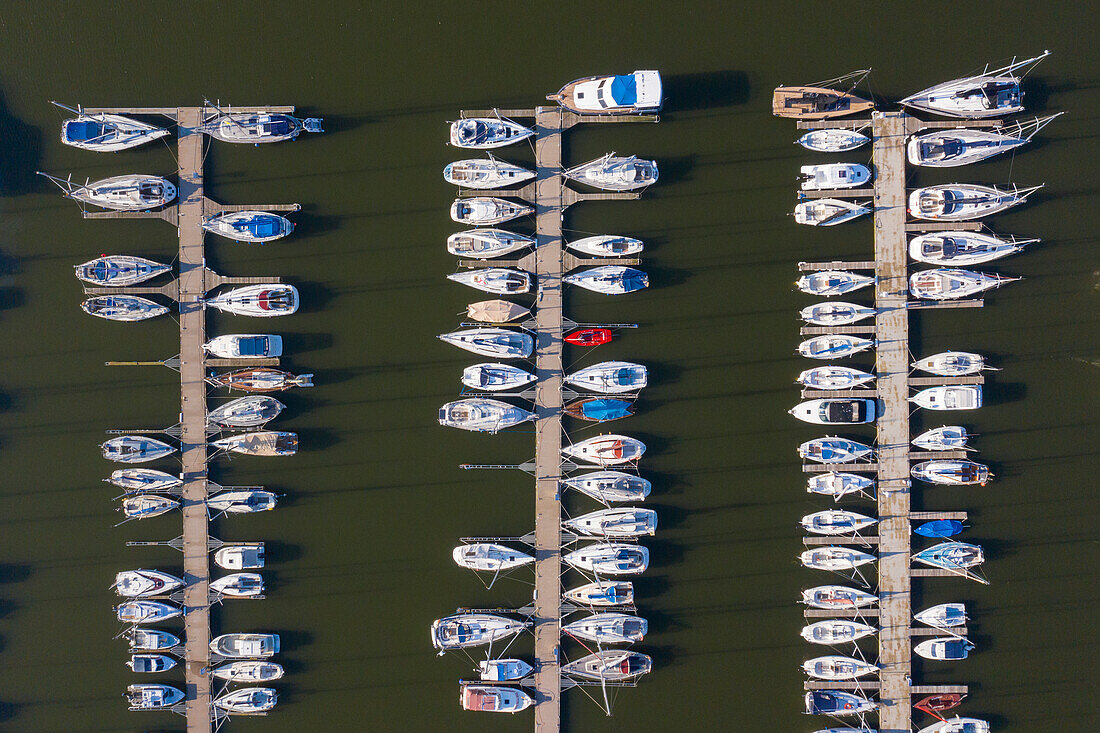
249	226
119	270
105	133
638	93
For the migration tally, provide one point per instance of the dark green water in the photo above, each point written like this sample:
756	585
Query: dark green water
360	547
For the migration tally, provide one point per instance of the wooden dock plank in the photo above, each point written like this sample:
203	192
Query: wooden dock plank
929	516
838	193
818	541
943	226
840	467
854	330
816	394
836	265
841	613
933	381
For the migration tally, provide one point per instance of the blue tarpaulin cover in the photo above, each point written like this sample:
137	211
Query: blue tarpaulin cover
940	528
261	226
624	89
605	409
254	346
78	131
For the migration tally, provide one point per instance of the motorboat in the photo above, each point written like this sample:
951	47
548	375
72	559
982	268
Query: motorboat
489	557
608	628
144	479
829	212
832	140
837	702
122	307
152	696
247	700
606	450
943	616
145	583
609	665
260	443
119	270
833	377
249	226
240	556
989	94
834	558
484	133
257	127
952	472
837	596
589	337
610	377
494	699
836	411
607	245
485	173
833	282
135	449
498	342
464	630
261	379
504	670
598	409
952	364
100	132
485	244
836	522
964	201
246	646
620	522
151	640
948	648
262	301
248	671
242	501
833	450
817	102
836	631
496	311
245	346
836	667
838	485
246	412
963	248
239	585
833	175
482	415
835	313
609	279
150	663
949	397
948	437
133	192
950	148
144	506
602	593
609	558
615	173
939	528
499	280
610	486
945	284
958	725
951	556
639	92
487	210
496	377
833	346
146	612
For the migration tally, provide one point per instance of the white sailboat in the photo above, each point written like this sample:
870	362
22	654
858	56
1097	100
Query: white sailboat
963	248
248	226
837	596
952	472
144	583
964	201
838	485
144	506
607	245
464	630
952	364
495	377
618	522
602	593
610	377
833	346
485	173
615	173
487	210
239	585
498	342
609	558
833	282
485	133
836	667
608	628
948	437
134	192
836	522
609	279
836	631
498	280
833	377
245	412
484	244
606	450
958	725
610	486
242	501
833	450
119	270
135	449
144	479
125	308
482	415
105	133
835	313
947	284
989	94
943	616
262	301
834	558
248	671
829	212
961	146
248	700
834	140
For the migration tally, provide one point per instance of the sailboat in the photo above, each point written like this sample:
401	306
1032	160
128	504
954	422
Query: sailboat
495	377
256	127
589	337
498	342
947	284
610	486
246	412
261	379
152	696
836	522
958	725
144	479
989	94
105	133
615	173
835	313
242	501
134	192
482	415
833	450
833	282
464	630
837	702
119	270
833	346
485	173
496	311
144	506
484	133
239	585
837	596
247	700
598	409
952	472
146	612
135	449
248	226
837	667
610	377
963	248
964	201
949	397
265	300
952	363
143	583
948	437
602	593
635	93
609	279
260	443
489	557
836	631
607	245
838	485
834	558
609	665
951	556
608	628
832	140
499	280
494	699
122	307
619	522
950	148
940	528
485	244
817	101
609	558
943	616
248	671
833	377
829	212
487	210
606	450
151	640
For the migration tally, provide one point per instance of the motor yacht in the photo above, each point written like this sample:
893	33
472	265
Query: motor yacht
246	646
949	397
151	640
504	670
152	696
150	663
833	176
245	346
494	699
947	648
836	411
636	93
240	556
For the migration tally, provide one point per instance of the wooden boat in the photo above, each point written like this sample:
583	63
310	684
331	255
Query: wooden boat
261	379
249	226
832	140
636	93
485	244
483	133
487	210
494	699
485	173
496	311
935	704
260	443
119	270
105	133
816	103
589	337
122	308
598	409
989	94
133	192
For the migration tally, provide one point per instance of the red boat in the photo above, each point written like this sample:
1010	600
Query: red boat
589	337
936	704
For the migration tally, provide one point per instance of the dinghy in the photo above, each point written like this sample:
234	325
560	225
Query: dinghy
950	284
464	630
833	140
152	697
589	337
935	704
639	92
989	94
598	409
837	596
245	346
249	700
833	282
835	313
838	485
609	665
602	593
134	192
952	364
498	342
248	671
495	377
246	646
610	486
494	699
484	244
836	631
150	663
257	127
621	522
837	702
261	379
949	397
246	412
248	226
610	377
836	522
151	640
487	210
837	411
496	311
950	148
504	670
135	449
239	585
489	557
105	133
962	248
834	558
952	472
262	301
951	556
608	628
122	308
484	133
145	583
833	346
482	415
940	528
615	173
609	279
833	450
499	280
144	506
240	556
829	212
144	479
607	245
609	558
833	377
606	450
948	437
119	270
260	443
958	725
943	616
485	173
146	612
837	668
834	175
964	201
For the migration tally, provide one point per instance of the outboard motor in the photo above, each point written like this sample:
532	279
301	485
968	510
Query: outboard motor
312	124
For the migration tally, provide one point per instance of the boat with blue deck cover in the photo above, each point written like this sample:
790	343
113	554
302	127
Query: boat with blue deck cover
639	92
119	270
939	528
598	409
249	226
105	133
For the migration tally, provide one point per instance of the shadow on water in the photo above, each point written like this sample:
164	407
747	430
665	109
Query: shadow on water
673	170
310	224
298	343
22	152
282	552
668	516
314	296
11	297
705	90
663	373
9	265
667	277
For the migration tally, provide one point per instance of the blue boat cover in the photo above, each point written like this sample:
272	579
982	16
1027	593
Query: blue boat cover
940	528
605	409
261	226
81	131
624	89
253	346
634	280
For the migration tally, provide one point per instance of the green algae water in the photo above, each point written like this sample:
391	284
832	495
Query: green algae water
359	547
